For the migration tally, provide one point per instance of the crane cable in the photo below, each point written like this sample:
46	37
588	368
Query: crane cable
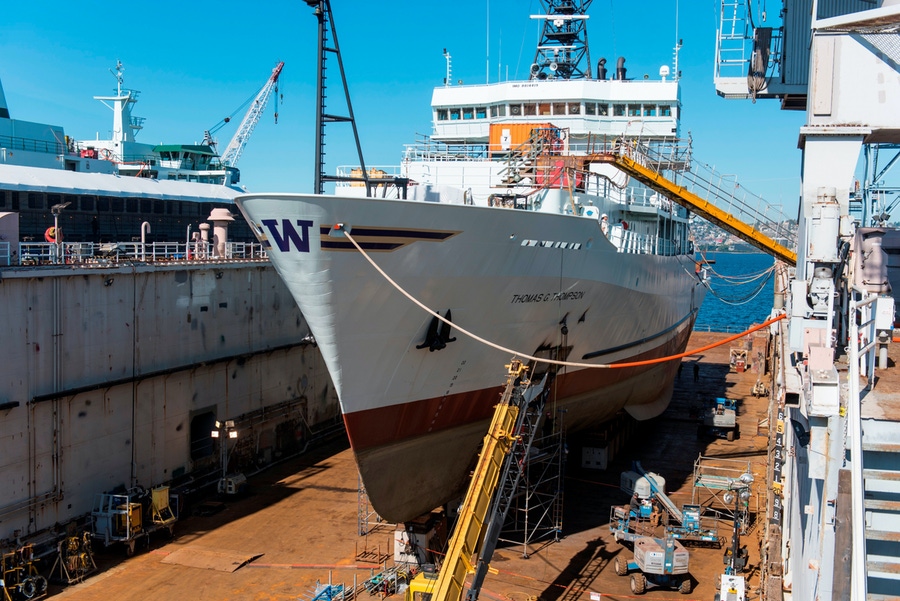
345	231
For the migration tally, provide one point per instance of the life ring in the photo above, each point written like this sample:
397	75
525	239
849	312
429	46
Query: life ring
50	235
105	154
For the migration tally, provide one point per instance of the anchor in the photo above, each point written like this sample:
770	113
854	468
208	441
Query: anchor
438	335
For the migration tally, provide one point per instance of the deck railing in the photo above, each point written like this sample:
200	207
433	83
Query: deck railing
87	253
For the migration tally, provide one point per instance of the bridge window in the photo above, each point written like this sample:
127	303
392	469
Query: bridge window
118	205
87	203
454	114
634	110
35	200
590	108
146	205
544	108
559	108
603	109
102	204
665	110
442	114
467	112
649	110
481	112
515	110
530	109
574	108
131	205
618	110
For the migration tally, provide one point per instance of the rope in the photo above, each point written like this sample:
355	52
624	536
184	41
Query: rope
436	315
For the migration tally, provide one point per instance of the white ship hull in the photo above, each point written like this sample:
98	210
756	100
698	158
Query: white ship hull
528	281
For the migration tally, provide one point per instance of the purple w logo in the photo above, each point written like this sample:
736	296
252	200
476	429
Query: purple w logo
299	240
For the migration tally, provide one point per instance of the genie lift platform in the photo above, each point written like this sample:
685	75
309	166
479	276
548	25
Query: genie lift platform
685	524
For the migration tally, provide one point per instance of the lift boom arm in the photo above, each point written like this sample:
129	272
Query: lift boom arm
468	539
236	147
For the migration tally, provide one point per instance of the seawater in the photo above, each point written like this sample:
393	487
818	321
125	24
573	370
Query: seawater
728	306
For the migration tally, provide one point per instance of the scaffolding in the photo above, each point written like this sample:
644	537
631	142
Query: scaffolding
365	515
536	513
712	478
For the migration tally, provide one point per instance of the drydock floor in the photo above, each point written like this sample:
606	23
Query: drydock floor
298	523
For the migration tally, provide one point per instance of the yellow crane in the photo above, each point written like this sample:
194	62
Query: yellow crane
482	513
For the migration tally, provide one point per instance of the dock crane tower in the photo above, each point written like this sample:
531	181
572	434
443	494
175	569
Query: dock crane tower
235	148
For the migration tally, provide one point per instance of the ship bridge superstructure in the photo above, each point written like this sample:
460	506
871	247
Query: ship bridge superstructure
646	109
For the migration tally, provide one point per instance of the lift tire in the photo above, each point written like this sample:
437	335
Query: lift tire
40	584
638	584
27	589
730	435
620	566
685	587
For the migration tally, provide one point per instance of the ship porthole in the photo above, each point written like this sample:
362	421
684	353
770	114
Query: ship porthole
589	243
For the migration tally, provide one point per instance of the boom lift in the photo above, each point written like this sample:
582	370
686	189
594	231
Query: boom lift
490	492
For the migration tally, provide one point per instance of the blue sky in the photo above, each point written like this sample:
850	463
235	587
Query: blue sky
195	63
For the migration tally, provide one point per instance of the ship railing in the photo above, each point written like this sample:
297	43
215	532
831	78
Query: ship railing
628	241
721	190
439	151
29	144
81	253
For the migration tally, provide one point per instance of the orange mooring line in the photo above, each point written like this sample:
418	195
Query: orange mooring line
702	348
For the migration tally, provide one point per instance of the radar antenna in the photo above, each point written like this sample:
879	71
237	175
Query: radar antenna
564	41
322	11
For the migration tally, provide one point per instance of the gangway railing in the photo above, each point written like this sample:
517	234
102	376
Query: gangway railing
717	198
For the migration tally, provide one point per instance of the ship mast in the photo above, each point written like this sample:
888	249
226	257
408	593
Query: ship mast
322	12
125	126
564	41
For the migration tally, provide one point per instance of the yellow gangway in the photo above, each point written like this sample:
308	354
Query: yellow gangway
630	160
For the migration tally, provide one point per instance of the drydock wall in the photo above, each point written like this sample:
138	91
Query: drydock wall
115	376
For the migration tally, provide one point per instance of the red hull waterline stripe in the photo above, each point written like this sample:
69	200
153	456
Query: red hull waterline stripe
372	428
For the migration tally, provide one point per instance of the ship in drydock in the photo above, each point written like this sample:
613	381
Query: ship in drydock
505	223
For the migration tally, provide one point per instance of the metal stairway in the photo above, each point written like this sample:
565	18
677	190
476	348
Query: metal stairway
669	171
521	162
881	478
